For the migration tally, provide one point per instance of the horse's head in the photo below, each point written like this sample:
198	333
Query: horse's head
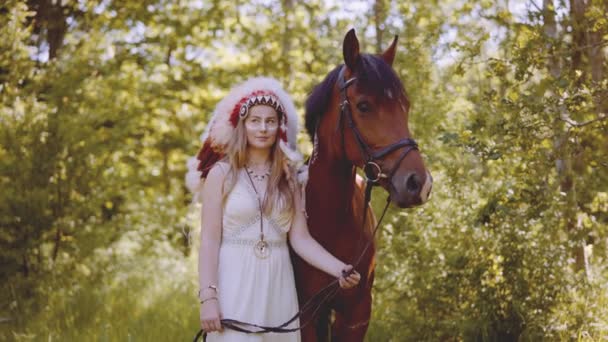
370	109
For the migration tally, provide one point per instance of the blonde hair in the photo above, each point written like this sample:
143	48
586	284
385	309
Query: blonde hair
280	188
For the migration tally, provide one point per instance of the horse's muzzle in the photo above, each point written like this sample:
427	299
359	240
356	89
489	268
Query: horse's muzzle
412	190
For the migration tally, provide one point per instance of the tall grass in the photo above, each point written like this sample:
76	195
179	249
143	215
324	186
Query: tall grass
125	298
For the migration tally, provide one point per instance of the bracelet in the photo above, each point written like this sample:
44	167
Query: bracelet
213	287
208	299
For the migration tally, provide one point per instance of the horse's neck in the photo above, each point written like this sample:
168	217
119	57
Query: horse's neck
330	190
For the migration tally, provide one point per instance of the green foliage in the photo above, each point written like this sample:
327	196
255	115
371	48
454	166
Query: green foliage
491	257
96	226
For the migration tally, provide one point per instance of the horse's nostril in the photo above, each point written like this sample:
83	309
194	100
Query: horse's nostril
413	184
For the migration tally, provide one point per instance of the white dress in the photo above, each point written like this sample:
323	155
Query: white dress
251	289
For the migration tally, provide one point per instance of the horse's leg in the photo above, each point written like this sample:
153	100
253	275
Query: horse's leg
309	282
352	320
353	308
318	329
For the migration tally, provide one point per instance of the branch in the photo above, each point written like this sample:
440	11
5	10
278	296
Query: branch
565	53
535	5
573	123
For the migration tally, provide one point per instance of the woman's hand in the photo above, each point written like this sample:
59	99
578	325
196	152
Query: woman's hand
351	280
210	315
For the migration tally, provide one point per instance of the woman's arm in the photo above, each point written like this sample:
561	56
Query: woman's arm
211	237
312	252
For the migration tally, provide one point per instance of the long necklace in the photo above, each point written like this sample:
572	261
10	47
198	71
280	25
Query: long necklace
261	248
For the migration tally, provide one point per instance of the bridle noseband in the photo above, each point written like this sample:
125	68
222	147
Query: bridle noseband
373	171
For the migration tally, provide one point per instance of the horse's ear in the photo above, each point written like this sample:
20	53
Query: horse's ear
389	54
350	49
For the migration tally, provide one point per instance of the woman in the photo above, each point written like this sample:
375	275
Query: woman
252	206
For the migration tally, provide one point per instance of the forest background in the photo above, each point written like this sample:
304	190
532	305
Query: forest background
102	102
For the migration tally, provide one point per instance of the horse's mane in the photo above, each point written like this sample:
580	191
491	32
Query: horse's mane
319	99
373	74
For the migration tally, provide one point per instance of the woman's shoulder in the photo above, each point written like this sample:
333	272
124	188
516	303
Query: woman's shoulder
223	165
218	171
214	182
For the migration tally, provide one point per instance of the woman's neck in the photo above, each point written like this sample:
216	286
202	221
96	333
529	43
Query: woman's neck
258	157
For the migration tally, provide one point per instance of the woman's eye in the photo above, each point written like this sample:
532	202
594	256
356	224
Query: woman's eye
364	107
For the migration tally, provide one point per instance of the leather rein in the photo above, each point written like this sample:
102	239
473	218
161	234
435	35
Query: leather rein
373	173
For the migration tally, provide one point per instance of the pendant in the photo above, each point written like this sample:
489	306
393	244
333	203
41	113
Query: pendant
261	249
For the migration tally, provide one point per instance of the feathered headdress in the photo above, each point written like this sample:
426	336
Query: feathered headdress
234	107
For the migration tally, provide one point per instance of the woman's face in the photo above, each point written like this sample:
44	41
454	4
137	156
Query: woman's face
261	126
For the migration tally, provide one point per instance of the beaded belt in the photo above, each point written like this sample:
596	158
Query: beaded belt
249	242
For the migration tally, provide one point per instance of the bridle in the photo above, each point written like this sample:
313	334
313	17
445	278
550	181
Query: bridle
373	173
372	170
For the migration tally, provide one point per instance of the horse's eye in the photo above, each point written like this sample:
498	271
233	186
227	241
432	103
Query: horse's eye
364	107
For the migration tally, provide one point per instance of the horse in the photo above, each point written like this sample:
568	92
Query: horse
357	117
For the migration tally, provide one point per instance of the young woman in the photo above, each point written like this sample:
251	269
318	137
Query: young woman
252	208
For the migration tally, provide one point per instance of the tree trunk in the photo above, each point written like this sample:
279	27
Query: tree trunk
56	244
596	57
50	18
379	19
26	265
286	38
577	21
562	149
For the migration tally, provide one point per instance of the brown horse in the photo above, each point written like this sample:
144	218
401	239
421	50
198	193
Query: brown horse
357	117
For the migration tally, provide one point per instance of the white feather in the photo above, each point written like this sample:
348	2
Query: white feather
193	179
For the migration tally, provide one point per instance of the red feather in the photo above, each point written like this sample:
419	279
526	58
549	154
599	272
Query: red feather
283	135
208	157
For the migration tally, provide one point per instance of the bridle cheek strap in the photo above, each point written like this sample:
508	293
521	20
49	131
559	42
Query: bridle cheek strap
368	155
372	170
